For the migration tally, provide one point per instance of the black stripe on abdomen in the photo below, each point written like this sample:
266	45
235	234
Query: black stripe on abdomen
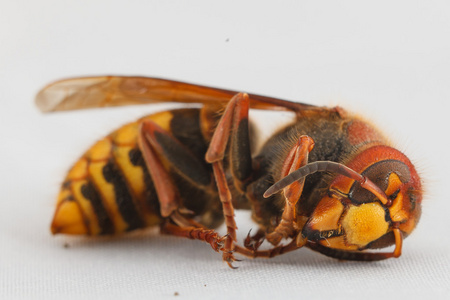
136	158
90	193
124	199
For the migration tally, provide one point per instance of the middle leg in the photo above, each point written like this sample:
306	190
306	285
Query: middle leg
232	133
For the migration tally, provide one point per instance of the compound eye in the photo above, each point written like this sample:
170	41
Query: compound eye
382	174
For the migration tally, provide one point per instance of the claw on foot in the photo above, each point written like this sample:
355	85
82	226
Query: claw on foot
231	265
215	242
229	258
253	242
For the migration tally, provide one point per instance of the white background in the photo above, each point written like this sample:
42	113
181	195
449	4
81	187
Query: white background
388	60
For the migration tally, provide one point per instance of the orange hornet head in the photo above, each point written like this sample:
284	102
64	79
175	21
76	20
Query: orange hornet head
350	217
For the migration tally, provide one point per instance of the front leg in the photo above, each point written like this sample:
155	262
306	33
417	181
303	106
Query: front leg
232	131
295	244
297	157
290	225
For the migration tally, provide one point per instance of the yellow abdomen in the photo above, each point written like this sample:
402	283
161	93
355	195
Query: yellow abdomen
109	190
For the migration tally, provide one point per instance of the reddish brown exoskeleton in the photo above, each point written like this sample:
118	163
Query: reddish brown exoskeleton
328	181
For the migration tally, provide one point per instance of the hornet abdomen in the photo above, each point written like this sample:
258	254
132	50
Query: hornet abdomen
110	191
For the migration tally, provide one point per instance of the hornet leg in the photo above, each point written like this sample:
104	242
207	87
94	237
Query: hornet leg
155	143
233	131
298	157
289	226
293	245
207	235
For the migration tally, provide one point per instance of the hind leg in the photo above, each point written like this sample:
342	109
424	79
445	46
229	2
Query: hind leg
155	142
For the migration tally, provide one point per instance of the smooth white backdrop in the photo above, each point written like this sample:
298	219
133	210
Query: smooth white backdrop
388	60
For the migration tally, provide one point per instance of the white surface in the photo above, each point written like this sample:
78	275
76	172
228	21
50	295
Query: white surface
388	60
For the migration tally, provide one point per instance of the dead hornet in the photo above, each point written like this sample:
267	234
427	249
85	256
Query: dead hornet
329	181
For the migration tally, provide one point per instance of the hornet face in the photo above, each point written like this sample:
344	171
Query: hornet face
351	217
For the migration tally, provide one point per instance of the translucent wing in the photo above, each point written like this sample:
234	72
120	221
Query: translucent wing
90	92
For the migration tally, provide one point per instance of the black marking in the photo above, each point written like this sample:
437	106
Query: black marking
135	157
394	195
89	192
66	184
387	214
412	199
151	197
316	235
385	241
123	196
69	198
241	160
348	255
